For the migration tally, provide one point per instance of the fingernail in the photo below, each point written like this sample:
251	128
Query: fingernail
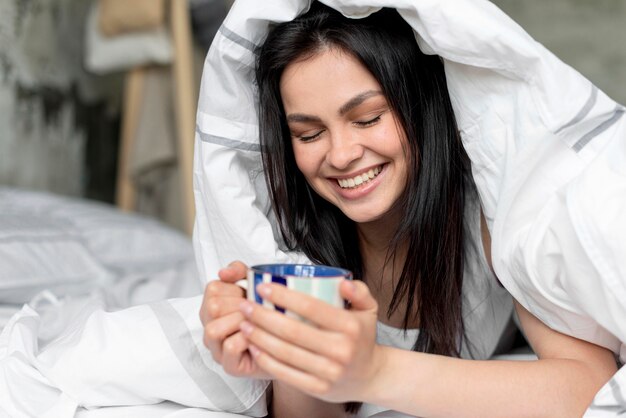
246	308
246	328
254	351
264	290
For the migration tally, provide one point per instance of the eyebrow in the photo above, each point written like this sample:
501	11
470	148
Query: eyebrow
345	108
357	100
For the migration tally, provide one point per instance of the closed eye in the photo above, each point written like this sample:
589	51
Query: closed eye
370	122
306	138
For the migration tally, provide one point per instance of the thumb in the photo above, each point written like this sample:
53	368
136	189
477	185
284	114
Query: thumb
358	294
233	272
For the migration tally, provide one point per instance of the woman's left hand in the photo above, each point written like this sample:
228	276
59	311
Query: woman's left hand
334	357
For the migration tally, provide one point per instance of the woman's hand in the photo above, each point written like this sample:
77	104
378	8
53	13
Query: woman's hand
333	357
221	317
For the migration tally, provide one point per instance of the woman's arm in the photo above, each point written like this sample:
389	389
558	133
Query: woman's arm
337	360
561	383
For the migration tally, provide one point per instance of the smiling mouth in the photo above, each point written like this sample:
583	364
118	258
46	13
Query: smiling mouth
362	178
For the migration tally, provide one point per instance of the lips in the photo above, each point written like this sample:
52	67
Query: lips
363	178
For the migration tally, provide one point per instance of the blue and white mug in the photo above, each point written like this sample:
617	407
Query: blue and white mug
321	282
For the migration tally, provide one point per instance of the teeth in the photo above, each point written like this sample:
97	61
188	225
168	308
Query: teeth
358	180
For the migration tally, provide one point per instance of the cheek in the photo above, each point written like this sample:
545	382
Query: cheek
389	142
297	155
309	159
393	145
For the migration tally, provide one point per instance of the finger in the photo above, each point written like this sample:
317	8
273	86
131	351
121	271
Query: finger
215	332
217	288
325	343
218	307
299	379
358	294
318	312
212	292
292	355
233	272
235	357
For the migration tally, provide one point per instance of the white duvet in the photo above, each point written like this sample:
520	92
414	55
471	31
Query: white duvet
548	152
150	357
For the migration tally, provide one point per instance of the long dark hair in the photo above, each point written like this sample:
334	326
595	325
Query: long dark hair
414	85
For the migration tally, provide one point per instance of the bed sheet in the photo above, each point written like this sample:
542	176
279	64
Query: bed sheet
162	410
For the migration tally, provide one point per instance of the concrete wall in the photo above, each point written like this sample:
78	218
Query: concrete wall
589	35
48	103
53	130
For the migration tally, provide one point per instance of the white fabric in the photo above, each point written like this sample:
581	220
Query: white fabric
610	401
160	410
71	246
547	148
143	355
548	152
547	158
72	348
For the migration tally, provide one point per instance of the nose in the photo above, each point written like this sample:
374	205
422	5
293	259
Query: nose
344	149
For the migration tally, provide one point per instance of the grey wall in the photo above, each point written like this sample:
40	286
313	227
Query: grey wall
49	106
589	35
54	128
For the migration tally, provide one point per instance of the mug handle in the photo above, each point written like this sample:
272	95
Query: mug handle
247	285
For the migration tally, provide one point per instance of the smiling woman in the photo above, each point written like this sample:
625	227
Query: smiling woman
366	170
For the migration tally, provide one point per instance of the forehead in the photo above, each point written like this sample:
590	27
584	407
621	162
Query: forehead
331	76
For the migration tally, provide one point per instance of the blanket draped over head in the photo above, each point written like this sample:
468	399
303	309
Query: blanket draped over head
548	153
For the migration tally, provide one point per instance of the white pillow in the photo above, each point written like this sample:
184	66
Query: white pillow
71	246
125	242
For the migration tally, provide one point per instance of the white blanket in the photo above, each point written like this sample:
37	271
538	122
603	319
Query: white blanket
548	152
143	355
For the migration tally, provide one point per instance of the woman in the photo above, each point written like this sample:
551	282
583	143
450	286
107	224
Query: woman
365	170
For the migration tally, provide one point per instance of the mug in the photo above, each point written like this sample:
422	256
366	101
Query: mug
321	282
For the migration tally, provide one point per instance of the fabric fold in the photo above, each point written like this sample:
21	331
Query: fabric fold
531	125
142	355
546	148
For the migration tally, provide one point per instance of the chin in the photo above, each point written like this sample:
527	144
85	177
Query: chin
368	213
363	218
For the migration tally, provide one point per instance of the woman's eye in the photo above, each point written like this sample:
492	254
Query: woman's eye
306	138
369	122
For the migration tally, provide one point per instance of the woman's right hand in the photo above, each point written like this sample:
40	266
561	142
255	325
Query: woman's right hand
221	316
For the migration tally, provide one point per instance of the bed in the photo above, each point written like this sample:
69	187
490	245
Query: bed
61	260
103	289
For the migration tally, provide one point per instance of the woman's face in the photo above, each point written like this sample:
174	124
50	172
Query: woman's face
345	138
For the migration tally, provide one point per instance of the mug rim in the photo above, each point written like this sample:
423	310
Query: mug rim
337	272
